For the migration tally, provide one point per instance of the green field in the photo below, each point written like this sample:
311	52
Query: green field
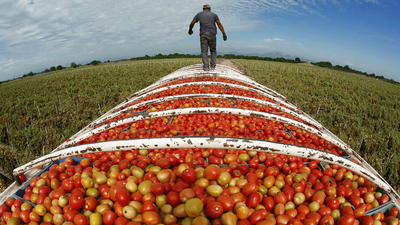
42	111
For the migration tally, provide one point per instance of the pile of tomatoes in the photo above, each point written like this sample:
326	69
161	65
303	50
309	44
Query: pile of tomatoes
196	186
216	125
200	186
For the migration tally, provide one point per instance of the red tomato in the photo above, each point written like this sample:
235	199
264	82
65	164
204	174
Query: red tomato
341	191
81	219
249	188
109	217
244	169
367	220
78	192
313	164
21	177
346	219
383	199
252	178
67	185
269	203
121	221
173	198
3	209
244	222
123	197
212	172
10	201
90	203
158	188
40	199
148	206
280	198
332	203
178	187
327	220
289	192
189	175
256	217
359	212
214	209
302	209
314	216
18	202
7	215
220	153
124	164
76	201
346	210
44	190
70	214
25	216
325	211
253	199
226	201
354	200
393	212
151	218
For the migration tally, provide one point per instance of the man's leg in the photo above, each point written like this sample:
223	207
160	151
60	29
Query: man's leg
204	51
212	41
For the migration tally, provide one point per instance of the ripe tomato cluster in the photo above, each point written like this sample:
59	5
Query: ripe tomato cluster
200	186
199	79
196	186
216	125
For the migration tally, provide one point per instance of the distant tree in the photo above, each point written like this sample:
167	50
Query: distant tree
46	70
53	68
95	62
59	67
31	73
346	67
74	65
297	60
324	64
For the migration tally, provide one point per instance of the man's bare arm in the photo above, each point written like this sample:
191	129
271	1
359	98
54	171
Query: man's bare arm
191	27
221	28
192	24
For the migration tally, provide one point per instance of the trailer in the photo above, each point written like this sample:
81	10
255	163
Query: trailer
200	118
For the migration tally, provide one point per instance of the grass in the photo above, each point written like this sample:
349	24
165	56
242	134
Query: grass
42	111
361	111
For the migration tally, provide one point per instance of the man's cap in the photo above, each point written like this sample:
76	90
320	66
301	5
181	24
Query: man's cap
206	6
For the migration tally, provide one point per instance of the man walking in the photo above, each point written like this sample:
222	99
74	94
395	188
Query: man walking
208	32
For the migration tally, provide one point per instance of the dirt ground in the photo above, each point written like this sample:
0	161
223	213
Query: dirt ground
228	62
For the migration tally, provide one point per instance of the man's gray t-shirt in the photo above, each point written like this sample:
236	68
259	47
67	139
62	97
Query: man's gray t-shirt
207	21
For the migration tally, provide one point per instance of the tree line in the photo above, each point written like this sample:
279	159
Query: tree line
228	56
348	69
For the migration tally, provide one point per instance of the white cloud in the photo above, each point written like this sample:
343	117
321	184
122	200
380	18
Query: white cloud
274	40
280	41
46	31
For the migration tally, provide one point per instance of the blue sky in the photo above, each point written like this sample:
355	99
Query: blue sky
38	34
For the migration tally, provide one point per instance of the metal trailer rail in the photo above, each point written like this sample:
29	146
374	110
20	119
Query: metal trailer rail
192	72
201	110
67	149
212	142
